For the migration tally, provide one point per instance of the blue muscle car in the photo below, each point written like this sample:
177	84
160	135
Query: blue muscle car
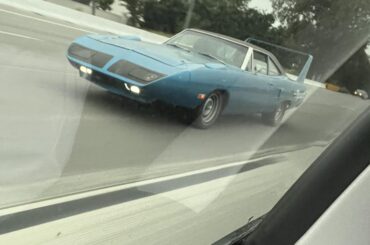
203	72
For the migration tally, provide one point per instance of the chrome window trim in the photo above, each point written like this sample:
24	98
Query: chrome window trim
277	67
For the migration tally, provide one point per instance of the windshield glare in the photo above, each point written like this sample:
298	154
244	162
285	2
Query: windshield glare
168	121
226	51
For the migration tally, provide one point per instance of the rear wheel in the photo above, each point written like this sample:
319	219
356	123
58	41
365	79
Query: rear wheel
274	118
209	111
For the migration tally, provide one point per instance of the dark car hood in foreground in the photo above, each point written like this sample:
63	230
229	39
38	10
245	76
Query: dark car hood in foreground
161	52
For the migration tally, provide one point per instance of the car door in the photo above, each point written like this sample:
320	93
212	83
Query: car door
250	90
276	82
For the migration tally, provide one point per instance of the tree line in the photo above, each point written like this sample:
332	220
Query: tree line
335	32
100	4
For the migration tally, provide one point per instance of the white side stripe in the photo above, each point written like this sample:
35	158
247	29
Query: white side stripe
19	35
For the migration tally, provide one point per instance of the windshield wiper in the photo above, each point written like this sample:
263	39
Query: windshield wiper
178	46
212	57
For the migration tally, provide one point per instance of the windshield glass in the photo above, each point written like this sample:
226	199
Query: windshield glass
219	48
168	121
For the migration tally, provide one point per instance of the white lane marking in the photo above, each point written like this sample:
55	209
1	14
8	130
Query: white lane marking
71	197
46	21
25	207
19	35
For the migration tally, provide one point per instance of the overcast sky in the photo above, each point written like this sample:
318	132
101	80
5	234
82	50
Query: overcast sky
264	5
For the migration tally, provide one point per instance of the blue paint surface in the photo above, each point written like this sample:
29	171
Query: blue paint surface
187	74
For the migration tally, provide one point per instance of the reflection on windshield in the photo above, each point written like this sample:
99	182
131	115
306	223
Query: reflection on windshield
217	48
174	140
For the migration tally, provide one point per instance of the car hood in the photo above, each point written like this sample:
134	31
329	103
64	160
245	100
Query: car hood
168	55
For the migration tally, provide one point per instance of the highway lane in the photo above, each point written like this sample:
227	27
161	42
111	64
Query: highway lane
198	214
55	126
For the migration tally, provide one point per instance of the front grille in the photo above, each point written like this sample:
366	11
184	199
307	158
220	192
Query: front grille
116	86
107	81
89	56
133	71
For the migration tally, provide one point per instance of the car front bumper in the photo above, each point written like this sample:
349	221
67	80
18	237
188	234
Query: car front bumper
112	84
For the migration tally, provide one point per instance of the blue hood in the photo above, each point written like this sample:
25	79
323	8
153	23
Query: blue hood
168	55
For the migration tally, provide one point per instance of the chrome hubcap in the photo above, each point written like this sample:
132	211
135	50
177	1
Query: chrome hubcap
210	108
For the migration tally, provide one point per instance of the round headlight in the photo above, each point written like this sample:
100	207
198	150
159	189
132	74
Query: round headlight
135	89
85	70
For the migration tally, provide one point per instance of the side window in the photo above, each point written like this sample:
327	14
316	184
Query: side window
260	63
273	70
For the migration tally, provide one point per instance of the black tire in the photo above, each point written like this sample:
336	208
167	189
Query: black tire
274	118
207	114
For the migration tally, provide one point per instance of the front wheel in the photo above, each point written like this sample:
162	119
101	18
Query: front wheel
274	118
209	111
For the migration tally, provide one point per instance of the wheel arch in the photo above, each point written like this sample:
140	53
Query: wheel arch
287	103
226	96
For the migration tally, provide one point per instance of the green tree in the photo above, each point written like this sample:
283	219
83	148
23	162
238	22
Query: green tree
221	16
136	9
354	73
229	17
164	15
331	30
101	4
105	4
234	18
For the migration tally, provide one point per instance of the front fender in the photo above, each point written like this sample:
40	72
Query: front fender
207	80
175	90
182	89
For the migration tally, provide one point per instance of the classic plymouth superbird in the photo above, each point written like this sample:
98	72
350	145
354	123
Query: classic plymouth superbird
203	72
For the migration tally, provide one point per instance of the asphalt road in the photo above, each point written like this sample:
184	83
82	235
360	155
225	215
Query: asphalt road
55	125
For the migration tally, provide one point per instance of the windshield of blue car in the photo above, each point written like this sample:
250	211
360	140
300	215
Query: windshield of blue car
168	121
216	48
